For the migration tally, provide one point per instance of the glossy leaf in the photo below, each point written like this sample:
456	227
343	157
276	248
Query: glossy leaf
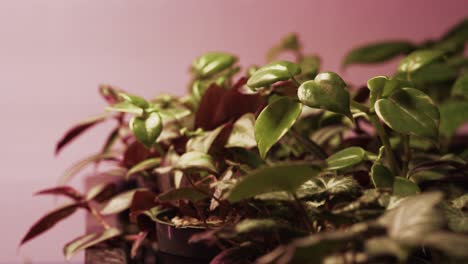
144	165
212	63
242	134
62	190
49	220
77	130
328	186
346	158
134	100
439	72
414	217
195	161
377	52
184	193
382	87
273	72
282	177
118	203
88	240
410	111
327	91
418	59
147	129
126	107
453	114
404	187
274	121
205	142
460	88
382	177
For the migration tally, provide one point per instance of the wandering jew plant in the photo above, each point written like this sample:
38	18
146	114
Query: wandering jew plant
286	163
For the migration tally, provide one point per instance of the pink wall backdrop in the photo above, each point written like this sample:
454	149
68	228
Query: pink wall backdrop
54	53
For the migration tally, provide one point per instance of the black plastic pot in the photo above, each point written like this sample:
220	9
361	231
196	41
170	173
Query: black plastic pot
173	242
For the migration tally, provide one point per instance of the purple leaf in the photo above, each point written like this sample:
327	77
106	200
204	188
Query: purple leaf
77	130
62	190
88	240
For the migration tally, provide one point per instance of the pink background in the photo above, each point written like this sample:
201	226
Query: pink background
53	55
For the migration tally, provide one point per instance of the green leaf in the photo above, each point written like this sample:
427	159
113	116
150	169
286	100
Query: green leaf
410	111
204	142
242	134
414	217
434	73
256	225
327	186
118	203
290	42
453	114
310	66
88	240
134	100
460	87
281	177
100	192
381	176
457	219
184	193
327	91
126	107
49	220
212	63
418	59
377	52
147	129
273	72
274	121
144	165
196	161
346	158
455	39
404	187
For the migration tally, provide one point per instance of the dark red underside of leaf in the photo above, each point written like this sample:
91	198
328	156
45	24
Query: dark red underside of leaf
49	220
62	190
136	153
219	105
75	132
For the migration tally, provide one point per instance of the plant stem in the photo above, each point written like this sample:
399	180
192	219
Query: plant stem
384	139
306	218
309	145
98	216
405	139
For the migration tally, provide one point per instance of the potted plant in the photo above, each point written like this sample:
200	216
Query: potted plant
286	163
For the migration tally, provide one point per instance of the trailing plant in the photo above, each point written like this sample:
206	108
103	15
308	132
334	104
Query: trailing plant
288	163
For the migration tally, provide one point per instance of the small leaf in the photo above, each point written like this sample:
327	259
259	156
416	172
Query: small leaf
110	141
381	176
62	190
212	63
242	134
134	100
460	88
377	52
404	187
147	130
346	158
414	217
310	66
410	111
282	177
49	220
453	114
144	165
205	141
274	121
88	240
290	42
77	130
418	59
196	161
256	225
273	72
118	203
327	91
126	107
184	193
382	87
318	188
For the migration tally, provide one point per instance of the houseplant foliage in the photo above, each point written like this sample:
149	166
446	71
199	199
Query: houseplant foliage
287	163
